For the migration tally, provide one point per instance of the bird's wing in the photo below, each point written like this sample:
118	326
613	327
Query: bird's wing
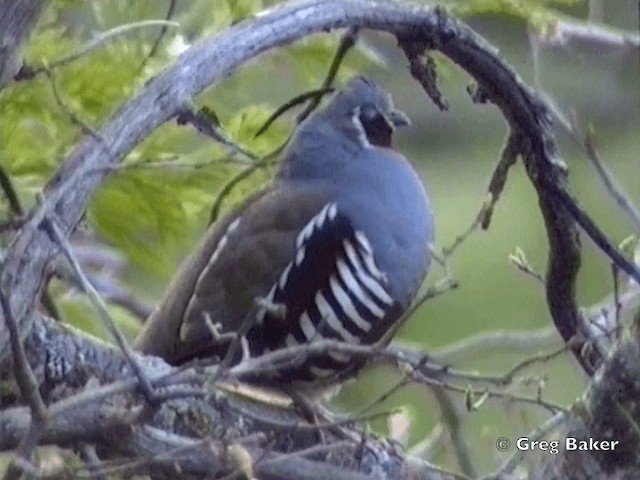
237	261
292	248
331	289
162	327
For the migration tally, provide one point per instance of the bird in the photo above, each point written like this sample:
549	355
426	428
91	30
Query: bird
336	247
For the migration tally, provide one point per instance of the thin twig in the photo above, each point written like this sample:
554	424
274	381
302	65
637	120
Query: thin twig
512	462
577	212
94	43
163	32
612	185
519	259
316	449
94	464
400	384
205	121
226	190
75	119
587	144
24	376
28	386
451	418
616	298
109	290
16	208
508	159
487	204
297	100
583	219
604	313
539	402
282	358
347	42
508	376
236	342
10	193
101	308
498	180
490	341
590	33
423	69
442	286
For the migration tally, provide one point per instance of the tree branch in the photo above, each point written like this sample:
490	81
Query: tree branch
17	19
91	389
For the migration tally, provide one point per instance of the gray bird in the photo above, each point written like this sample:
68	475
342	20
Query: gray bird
336	248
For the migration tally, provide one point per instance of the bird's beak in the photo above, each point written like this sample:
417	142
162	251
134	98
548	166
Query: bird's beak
399	119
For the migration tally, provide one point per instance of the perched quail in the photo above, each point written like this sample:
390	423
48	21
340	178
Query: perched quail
335	248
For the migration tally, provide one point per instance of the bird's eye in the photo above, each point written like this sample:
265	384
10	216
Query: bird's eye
376	127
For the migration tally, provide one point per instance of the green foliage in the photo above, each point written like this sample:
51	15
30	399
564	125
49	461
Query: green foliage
310	59
202	18
154	206
537	13
241	9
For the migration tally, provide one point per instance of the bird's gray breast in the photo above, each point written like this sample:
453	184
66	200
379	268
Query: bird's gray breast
384	198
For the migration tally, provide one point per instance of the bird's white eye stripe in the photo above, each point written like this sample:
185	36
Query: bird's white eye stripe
328	315
347	305
354	287
367	280
362	135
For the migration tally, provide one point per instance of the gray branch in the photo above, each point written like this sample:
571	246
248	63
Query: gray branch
17	19
92	393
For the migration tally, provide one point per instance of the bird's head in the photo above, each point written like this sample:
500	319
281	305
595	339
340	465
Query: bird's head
360	116
365	113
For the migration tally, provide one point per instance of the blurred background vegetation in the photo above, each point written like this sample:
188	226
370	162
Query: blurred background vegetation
153	208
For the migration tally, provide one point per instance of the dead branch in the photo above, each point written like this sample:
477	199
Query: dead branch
91	391
17	19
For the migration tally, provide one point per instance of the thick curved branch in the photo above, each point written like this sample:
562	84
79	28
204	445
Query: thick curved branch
17	19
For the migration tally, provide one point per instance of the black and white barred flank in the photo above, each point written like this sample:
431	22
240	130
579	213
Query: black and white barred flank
332	289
